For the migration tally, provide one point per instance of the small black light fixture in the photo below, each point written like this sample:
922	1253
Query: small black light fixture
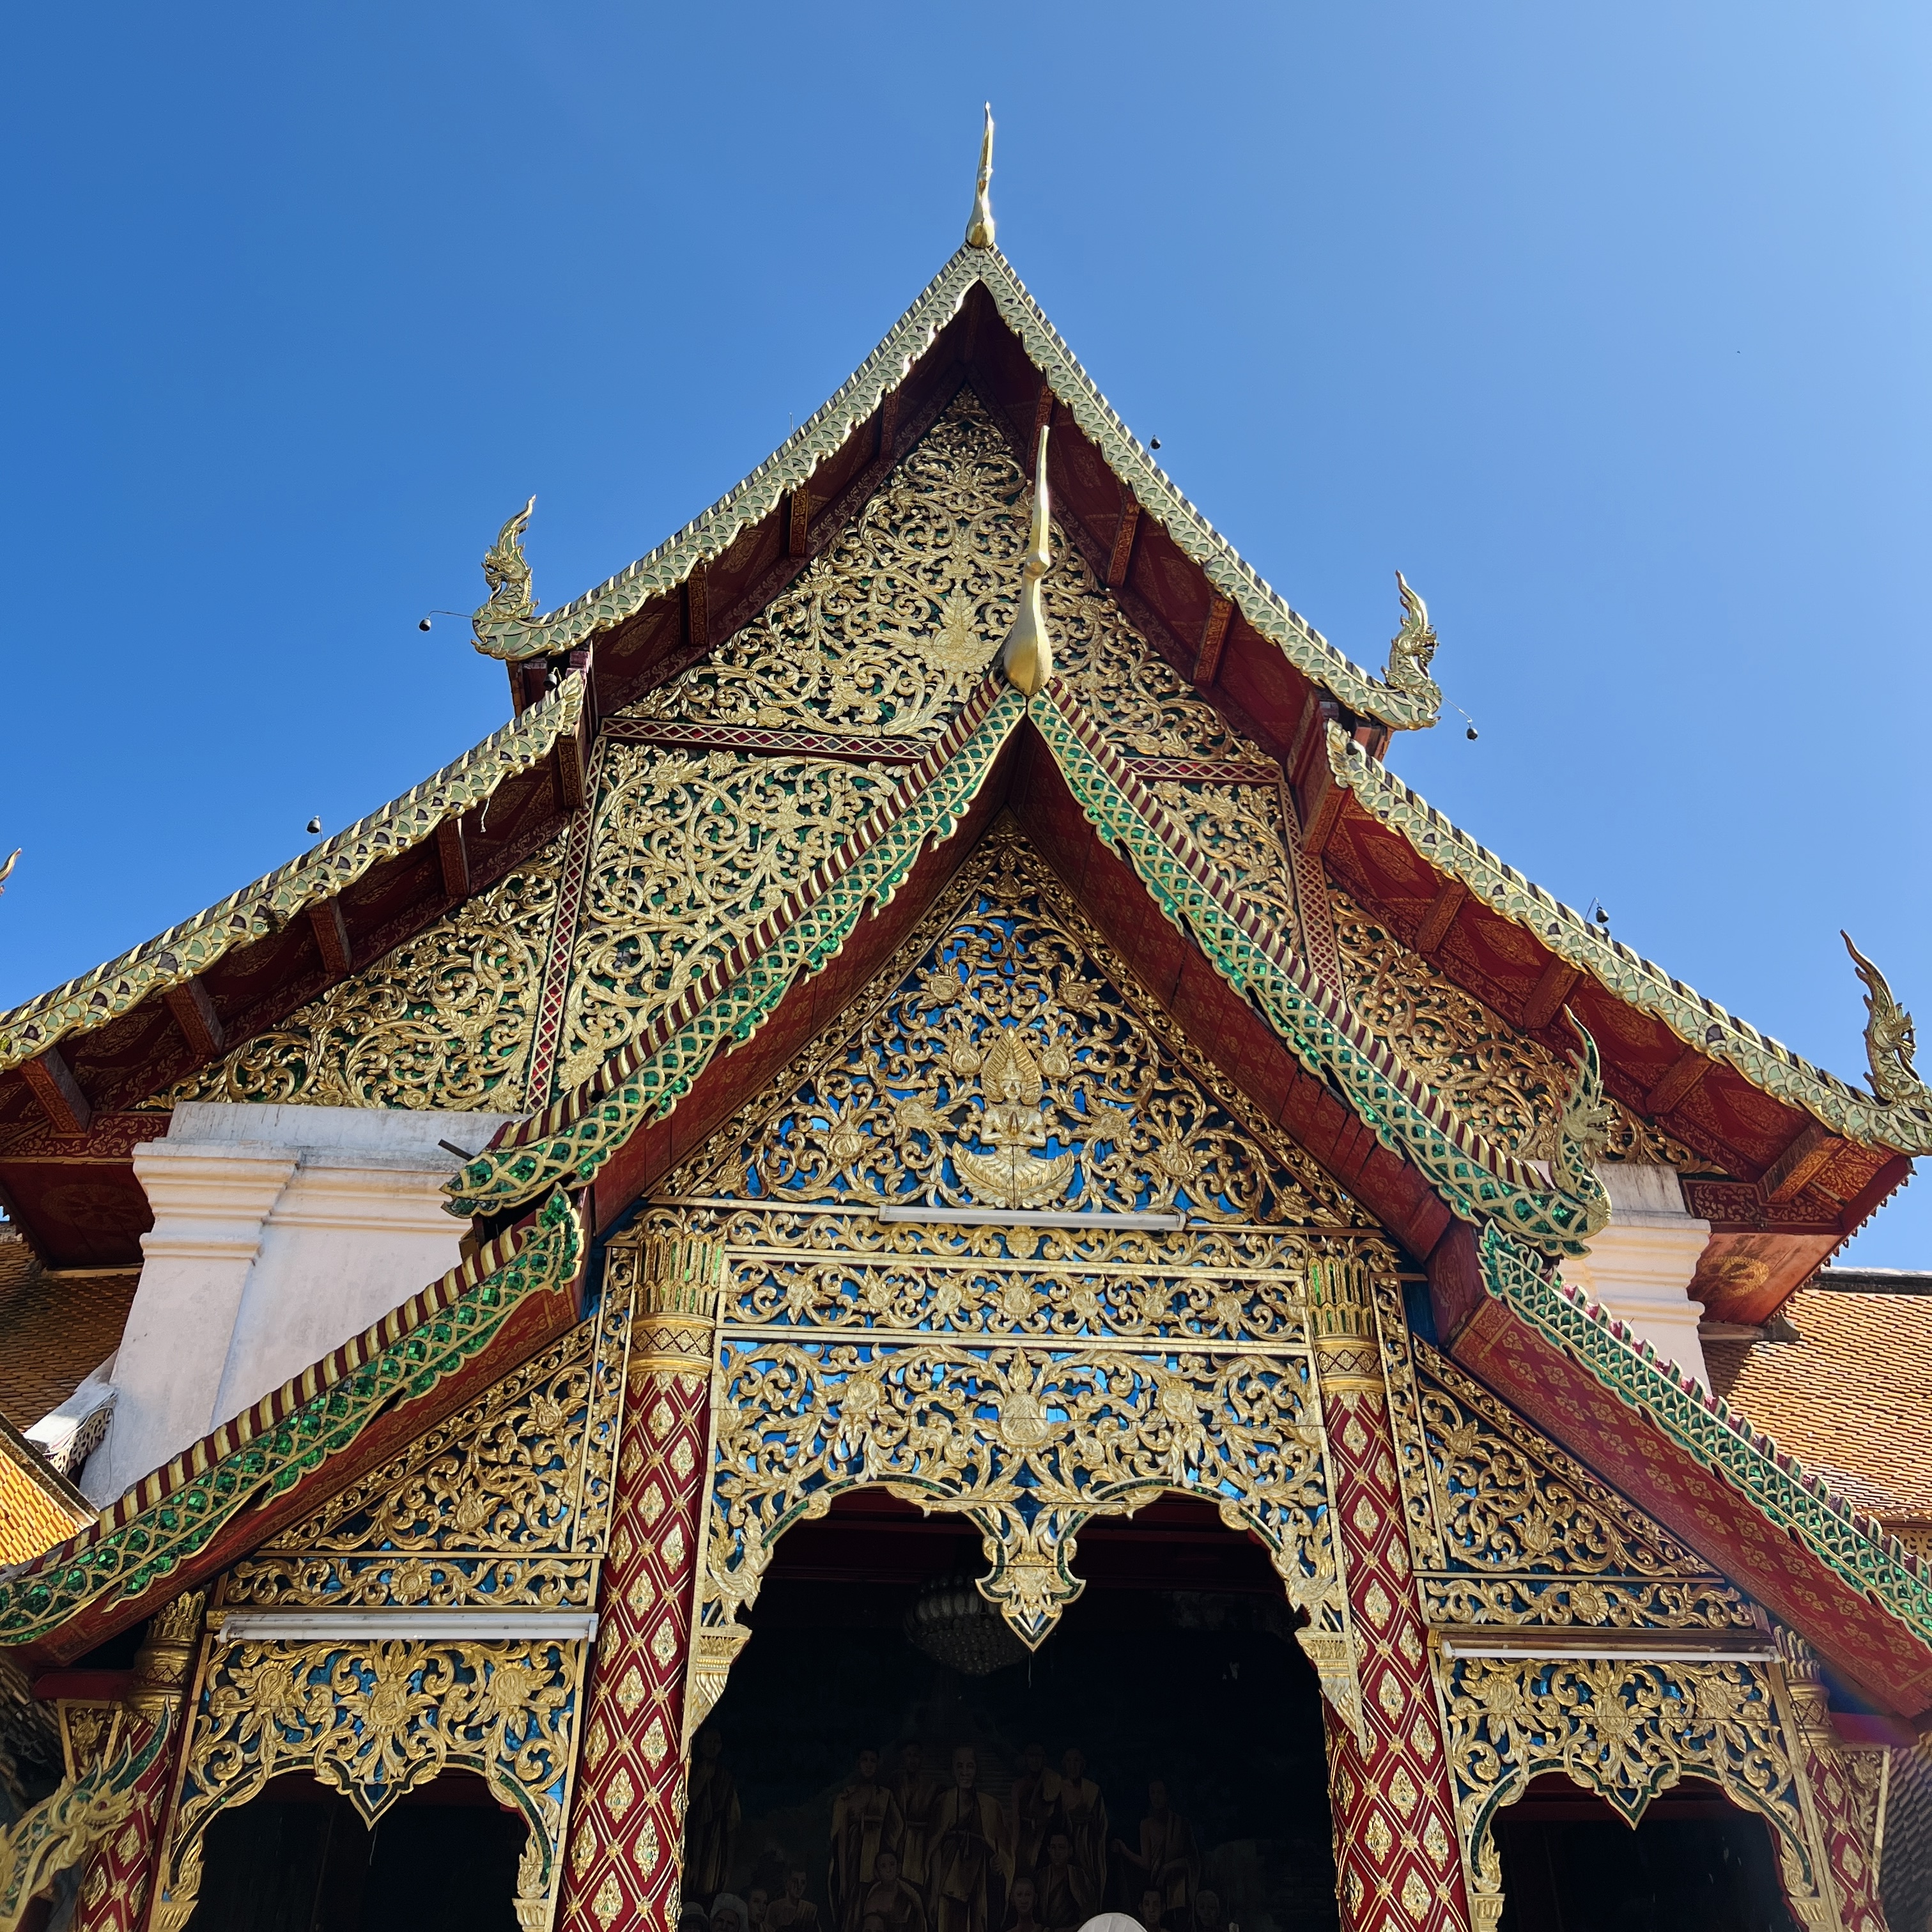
422	624
315	825
1154	442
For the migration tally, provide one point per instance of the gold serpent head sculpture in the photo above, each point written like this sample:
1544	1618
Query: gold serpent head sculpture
1890	1041
1027	654
979	228
1410	649
510	600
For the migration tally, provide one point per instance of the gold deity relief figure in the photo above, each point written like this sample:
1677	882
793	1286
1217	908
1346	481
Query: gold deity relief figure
1007	1060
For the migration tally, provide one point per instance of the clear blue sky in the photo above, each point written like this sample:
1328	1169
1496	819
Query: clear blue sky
1609	326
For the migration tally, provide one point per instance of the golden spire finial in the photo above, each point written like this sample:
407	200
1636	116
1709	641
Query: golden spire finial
979	229
1027	656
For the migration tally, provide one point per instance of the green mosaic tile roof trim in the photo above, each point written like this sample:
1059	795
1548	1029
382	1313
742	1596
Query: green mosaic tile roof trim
1856	1548
169	1517
569	1144
1767	1064
265	908
792	466
1481	1183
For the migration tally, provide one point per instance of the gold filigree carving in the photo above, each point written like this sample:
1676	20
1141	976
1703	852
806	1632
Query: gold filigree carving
444	1020
887	628
1028	1444
1241	829
1532	1537
1625	1729
374	1719
690	851
1508	1086
999	1062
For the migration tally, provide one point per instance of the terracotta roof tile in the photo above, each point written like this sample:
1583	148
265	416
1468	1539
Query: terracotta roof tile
53	1332
38	1510
1851	1399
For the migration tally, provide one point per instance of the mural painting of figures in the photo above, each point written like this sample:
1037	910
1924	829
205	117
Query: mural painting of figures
1067	1899
865	1820
918	1797
1167	1866
1035	1799
1083	1811
1021	1912
888	1898
791	1908
711	1820
972	1861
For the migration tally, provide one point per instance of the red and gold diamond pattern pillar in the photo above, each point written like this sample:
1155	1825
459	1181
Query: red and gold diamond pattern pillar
1846	1788
627	1822
114	1889
1397	1868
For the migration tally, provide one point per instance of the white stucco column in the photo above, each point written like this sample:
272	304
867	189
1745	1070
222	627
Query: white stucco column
279	1233
1639	1269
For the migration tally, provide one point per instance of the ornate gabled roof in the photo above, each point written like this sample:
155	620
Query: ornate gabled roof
1697	1020
508	628
39	1507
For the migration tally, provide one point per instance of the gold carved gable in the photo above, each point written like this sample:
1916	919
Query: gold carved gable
1007	1060
1504	1084
445	1020
505	1502
1528	1536
690	849
889	627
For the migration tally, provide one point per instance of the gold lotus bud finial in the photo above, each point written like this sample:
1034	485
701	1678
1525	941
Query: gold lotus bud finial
979	229
1028	653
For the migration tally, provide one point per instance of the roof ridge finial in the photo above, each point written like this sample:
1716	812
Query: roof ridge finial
1027	654
979	229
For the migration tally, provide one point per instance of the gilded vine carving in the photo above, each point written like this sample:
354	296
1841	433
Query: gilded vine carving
1507	1085
444	1020
999	1063
1240	828
1623	1728
692	850
374	1720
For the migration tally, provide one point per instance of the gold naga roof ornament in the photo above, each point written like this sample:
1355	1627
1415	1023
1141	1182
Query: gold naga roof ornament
511	600
1890	1041
1027	654
1410	651
6	871
979	229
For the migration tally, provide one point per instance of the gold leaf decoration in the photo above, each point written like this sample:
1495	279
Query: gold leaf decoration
1506	1084
444	1020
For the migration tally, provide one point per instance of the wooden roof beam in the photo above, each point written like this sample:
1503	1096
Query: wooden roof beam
1121	558
1546	997
51	1081
1440	915
194	1013
332	937
1683	1076
1810	1150
1214	641
452	852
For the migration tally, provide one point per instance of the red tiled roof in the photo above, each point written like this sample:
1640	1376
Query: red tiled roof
53	1329
1851	1399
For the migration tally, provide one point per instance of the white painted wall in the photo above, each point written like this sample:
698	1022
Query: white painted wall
279	1233
1639	1269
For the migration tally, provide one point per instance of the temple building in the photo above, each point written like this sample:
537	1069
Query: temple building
923	1257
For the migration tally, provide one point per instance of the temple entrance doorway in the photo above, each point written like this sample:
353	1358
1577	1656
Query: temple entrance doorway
299	1859
1695	1863
888	1757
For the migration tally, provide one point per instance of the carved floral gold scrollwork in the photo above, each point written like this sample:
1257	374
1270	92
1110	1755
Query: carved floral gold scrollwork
1535	1538
407	1580
501	1475
1028	1443
1508	1086
374	1719
1623	1728
444	1020
999	1063
887	628
1241	829
691	850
